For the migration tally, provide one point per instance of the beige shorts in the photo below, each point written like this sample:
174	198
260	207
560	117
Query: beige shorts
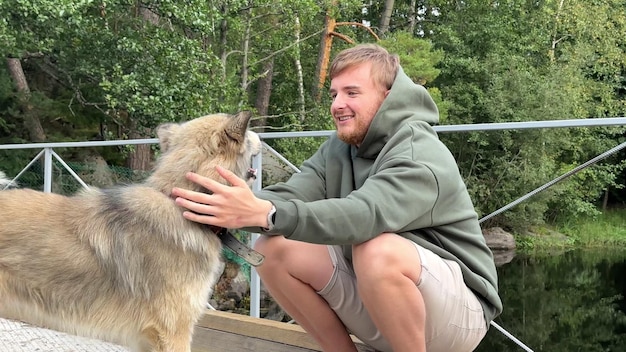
456	323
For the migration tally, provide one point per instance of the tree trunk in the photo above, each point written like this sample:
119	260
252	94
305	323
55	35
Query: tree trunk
31	122
223	38
386	17
301	99
244	60
263	94
324	55
141	156
412	16
555	40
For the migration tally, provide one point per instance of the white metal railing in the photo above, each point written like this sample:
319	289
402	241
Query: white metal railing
47	151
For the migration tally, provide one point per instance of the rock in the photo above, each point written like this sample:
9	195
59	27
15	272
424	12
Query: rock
96	172
501	257
498	239
274	169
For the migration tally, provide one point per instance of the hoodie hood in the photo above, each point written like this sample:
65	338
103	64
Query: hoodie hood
406	102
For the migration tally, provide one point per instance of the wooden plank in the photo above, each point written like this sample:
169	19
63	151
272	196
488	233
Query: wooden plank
264	329
221	341
222	331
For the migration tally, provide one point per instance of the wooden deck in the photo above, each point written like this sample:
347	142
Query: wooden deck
215	332
221	332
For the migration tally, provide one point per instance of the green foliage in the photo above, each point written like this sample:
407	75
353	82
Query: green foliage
114	69
156	81
604	228
417	56
419	61
498	68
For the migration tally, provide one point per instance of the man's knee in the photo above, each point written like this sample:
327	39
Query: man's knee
308	262
276	247
386	248
271	248
385	255
380	247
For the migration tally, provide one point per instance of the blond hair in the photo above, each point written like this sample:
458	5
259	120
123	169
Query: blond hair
384	65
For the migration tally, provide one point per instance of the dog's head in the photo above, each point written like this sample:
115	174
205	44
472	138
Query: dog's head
201	144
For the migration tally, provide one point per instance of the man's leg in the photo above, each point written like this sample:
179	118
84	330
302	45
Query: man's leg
293	272
388	270
417	300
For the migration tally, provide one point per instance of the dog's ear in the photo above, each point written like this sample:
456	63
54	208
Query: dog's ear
237	125
164	133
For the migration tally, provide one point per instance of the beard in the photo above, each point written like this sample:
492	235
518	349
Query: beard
353	137
355	134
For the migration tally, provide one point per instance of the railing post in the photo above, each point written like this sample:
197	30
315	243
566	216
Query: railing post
255	280
47	170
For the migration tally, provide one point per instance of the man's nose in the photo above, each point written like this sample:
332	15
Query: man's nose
338	102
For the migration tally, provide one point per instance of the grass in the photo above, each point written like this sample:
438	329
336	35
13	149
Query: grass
605	230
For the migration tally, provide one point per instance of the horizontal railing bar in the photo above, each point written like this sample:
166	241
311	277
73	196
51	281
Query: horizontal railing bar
80	144
609	121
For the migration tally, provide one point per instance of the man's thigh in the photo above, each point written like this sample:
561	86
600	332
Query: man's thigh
455	309
454	316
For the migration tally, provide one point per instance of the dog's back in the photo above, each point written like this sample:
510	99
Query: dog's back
97	264
120	264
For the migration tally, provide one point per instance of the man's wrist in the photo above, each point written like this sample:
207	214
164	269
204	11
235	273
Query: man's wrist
271	218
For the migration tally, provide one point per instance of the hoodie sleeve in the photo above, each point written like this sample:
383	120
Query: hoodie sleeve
308	185
400	195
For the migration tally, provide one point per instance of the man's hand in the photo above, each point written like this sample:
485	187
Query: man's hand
232	206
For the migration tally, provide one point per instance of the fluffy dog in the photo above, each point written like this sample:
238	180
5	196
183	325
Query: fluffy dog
122	264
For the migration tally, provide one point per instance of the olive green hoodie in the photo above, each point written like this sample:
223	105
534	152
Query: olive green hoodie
401	179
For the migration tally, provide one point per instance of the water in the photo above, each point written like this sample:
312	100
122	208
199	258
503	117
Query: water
563	302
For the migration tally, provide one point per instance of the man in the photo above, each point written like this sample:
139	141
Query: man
377	235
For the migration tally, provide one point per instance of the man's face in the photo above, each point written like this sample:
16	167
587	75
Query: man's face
356	99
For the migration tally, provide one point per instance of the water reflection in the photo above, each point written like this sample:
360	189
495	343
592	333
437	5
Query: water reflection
563	302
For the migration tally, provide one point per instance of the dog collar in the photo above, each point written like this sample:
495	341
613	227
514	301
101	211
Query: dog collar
246	253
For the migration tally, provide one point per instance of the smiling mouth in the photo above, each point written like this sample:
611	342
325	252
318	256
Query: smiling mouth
344	118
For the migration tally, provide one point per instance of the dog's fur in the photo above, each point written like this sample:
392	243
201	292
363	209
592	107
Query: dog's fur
122	264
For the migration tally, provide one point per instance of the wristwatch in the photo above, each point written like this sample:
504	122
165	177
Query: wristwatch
271	217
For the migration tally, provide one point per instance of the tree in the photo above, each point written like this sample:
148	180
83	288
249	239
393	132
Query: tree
31	122
116	69
523	61
386	17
